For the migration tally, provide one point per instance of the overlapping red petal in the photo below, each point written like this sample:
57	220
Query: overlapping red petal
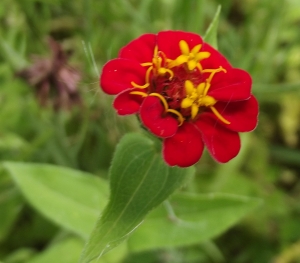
117	75
185	147
216	59
242	115
222	144
140	49
153	117
126	103
168	42
233	85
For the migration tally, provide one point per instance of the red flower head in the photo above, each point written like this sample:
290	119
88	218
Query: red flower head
185	92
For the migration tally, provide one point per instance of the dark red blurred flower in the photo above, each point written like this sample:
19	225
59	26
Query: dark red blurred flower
185	92
53	79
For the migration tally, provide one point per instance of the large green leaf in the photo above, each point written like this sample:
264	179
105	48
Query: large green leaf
190	219
211	33
139	181
68	197
195	218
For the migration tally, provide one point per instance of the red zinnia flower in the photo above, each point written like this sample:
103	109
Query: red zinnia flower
185	92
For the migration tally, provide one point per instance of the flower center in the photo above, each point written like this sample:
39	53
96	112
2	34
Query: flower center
197	97
157	66
180	83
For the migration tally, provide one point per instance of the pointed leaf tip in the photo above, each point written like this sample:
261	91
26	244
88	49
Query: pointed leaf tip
210	36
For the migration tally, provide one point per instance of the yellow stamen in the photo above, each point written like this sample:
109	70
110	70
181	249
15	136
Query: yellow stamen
163	100
146	64
155	51
208	70
179	115
213	72
157	62
207	86
199	67
139	86
163	71
209	79
166	106
156	65
143	94
148	74
219	116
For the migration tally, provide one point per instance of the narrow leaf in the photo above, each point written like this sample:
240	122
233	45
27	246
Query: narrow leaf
12	56
70	198
195	218
211	33
139	181
10	206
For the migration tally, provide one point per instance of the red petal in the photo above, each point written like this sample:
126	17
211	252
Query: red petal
168	42
117	75
223	144
126	103
140	49
241	114
153	118
185	147
215	60
230	86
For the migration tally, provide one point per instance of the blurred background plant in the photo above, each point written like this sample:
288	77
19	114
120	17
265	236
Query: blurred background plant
261	36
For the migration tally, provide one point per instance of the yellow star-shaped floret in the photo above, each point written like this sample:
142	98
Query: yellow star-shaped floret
191	57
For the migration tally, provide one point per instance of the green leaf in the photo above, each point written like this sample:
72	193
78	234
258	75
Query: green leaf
19	255
66	251
12	56
61	249
195	218
139	181
10	205
211	33
70	198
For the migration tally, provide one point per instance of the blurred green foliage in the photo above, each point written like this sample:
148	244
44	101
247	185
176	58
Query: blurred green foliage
261	36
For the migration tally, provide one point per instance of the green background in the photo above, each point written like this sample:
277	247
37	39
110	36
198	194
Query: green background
260	36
